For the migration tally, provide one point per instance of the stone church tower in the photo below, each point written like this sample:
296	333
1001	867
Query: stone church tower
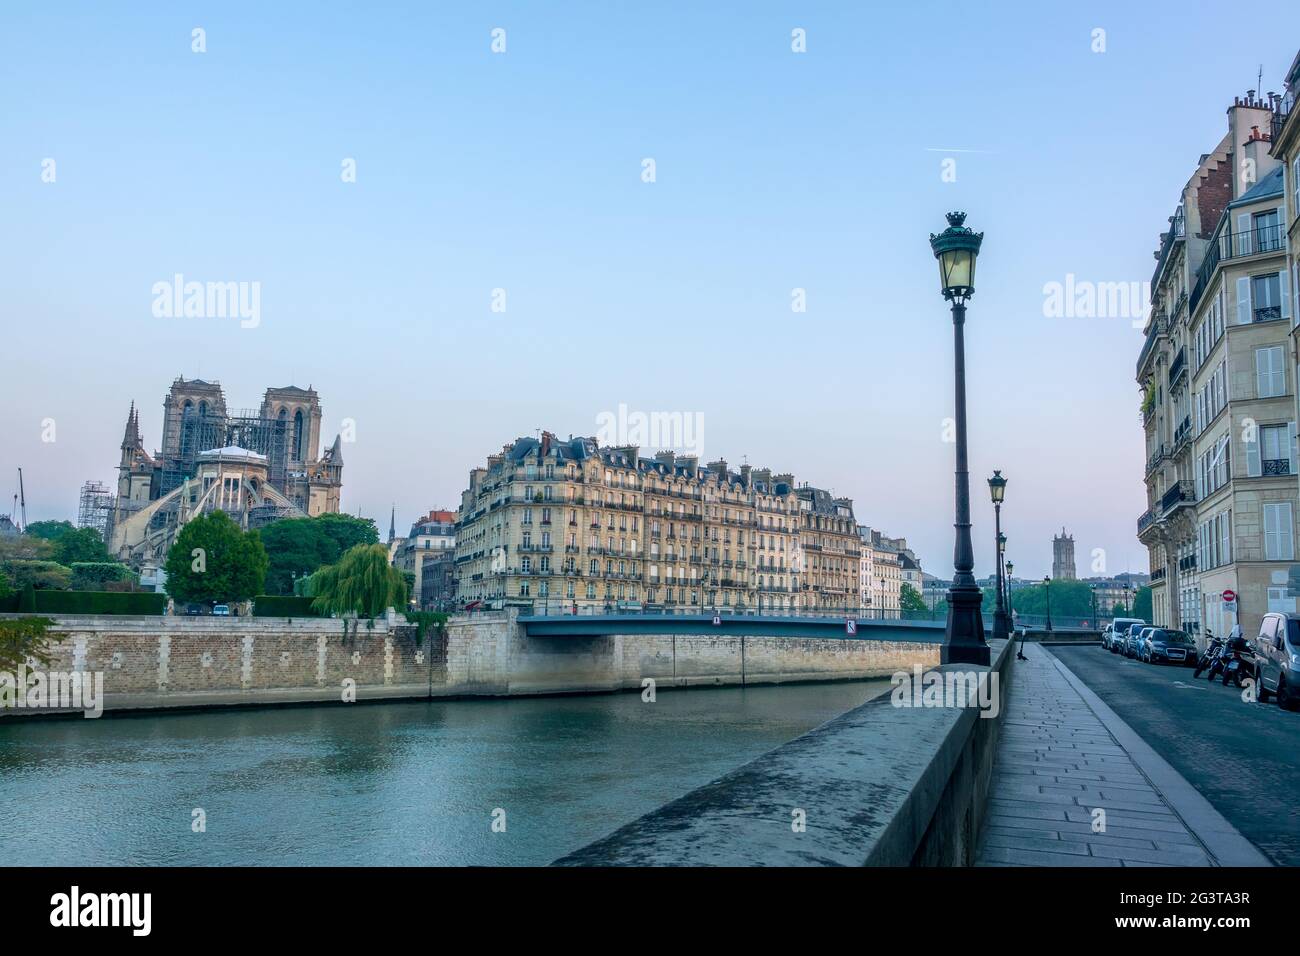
256	465
1063	557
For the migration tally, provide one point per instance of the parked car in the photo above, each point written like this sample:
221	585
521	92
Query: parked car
1136	633
1160	645
1118	632
1277	658
221	610
1107	635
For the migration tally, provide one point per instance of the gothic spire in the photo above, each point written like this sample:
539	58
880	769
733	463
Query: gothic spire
131	437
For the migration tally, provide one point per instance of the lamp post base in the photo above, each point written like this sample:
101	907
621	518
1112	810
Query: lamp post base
1001	625
964	636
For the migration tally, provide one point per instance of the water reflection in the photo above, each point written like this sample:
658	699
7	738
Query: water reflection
411	784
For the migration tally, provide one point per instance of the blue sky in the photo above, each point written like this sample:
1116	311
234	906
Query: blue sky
522	171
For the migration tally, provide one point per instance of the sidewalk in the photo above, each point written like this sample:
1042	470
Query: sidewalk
1063	755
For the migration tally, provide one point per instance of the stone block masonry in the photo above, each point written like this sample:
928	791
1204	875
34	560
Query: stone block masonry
169	662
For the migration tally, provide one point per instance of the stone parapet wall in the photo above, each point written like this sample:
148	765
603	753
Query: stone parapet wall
163	662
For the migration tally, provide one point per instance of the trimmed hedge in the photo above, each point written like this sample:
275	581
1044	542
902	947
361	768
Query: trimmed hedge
100	602
283	605
92	576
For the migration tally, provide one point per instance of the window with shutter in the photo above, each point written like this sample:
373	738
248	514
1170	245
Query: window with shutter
1275	449
1270	373
1278	540
1243	300
1245	244
1251	441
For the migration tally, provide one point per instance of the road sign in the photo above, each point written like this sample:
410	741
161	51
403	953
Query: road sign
850	626
1229	596
717	620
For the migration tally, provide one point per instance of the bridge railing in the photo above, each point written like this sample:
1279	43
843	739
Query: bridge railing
1067	621
563	609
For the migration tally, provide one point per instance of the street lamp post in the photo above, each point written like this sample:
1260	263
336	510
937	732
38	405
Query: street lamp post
997	491
1094	607
1007	581
956	248
1047	588
1006	584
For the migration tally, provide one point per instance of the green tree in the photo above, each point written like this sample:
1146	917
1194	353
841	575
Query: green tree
81	546
910	600
70	544
362	582
214	561
97	575
1142	603
297	547
21	638
51	531
1070	599
25	547
45	575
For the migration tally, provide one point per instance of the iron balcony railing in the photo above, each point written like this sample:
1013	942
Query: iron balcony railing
1284	108
1182	493
1176	231
1145	520
1178	366
1157	456
1235	245
1153	335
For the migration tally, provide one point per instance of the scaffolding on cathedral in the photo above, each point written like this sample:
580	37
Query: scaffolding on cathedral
96	507
197	431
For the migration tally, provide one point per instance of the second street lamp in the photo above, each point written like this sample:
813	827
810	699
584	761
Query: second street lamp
1007	585
998	491
956	248
1047	590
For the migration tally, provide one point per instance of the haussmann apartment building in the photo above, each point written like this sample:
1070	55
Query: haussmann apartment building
1218	378
568	525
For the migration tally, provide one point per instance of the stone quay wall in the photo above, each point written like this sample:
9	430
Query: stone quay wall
168	662
881	785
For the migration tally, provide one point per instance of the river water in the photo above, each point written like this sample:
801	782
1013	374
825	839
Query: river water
377	784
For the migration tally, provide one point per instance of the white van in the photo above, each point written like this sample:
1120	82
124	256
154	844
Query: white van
1114	636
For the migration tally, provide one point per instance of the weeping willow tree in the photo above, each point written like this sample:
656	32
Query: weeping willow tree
362	582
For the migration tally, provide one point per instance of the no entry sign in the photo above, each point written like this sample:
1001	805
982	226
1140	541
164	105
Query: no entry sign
1229	597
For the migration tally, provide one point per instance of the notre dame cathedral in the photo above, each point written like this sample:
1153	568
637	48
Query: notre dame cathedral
257	466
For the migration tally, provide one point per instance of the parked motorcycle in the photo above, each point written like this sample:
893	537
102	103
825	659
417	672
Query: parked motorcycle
1209	654
1220	660
1235	660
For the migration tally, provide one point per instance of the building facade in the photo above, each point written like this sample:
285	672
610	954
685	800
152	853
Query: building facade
432	539
886	564
574	526
1219	401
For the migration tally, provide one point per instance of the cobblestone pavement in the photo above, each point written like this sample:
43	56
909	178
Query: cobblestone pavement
1067	791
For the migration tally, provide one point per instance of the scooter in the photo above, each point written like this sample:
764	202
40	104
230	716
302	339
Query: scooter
1240	663
1209	654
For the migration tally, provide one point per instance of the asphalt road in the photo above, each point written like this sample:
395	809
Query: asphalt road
1244	758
